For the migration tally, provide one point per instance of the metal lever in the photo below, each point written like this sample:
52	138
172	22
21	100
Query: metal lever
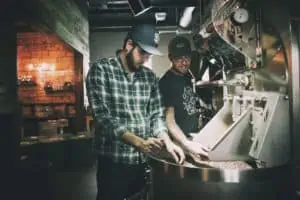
193	80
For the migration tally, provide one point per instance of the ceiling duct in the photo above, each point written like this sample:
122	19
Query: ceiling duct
119	13
173	3
115	2
139	7
113	19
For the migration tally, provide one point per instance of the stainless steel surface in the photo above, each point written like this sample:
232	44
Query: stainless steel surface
271	129
249	126
294	93
255	116
188	181
256	112
262	39
295	89
236	141
205	173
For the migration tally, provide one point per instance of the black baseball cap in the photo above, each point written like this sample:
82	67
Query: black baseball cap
198	41
179	46
146	36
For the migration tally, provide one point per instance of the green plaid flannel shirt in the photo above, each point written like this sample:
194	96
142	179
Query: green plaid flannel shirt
121	103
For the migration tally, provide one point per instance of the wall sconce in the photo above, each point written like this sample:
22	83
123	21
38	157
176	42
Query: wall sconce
41	67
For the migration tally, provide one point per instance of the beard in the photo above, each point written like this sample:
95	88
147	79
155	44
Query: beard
130	61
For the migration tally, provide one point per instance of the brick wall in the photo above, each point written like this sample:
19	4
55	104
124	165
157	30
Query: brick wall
42	58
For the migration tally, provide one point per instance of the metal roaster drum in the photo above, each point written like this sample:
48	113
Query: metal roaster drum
188	181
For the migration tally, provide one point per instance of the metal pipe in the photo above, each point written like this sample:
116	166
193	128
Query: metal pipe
216	83
193	80
161	29
258	34
175	30
112	2
200	11
173	3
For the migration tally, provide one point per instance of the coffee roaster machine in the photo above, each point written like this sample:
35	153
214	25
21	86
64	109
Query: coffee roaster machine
254	124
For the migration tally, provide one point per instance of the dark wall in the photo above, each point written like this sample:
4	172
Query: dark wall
64	18
8	90
69	22
9	138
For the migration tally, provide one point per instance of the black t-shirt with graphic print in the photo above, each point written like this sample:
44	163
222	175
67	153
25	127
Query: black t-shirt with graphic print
177	92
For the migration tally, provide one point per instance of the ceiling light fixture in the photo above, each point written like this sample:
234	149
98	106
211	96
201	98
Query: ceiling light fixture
160	16
186	18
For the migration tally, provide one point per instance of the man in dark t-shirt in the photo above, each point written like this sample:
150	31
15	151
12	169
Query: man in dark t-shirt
178	93
182	115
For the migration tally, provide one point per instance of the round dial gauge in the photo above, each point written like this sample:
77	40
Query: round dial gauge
241	15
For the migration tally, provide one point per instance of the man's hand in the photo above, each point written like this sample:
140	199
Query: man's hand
176	152
151	146
195	148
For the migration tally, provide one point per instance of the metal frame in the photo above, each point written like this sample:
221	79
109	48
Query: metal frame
294	91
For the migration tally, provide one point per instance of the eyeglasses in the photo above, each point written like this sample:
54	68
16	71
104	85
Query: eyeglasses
182	59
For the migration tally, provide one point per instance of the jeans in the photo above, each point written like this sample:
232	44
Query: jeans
116	181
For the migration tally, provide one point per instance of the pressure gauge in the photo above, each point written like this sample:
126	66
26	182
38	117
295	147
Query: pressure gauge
241	15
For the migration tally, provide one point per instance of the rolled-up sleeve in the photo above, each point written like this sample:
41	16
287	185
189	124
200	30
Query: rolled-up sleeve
99	98
156	110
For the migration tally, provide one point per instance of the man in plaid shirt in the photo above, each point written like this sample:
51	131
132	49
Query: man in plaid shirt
130	122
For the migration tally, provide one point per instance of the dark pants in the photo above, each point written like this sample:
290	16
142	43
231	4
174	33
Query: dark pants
117	181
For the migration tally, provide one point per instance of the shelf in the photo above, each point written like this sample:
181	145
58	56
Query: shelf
49	111
27	85
49	91
45	104
48	118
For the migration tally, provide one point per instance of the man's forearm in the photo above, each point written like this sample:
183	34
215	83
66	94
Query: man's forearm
131	139
176	133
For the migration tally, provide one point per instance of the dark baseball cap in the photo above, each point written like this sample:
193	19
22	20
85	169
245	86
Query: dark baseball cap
198	41
180	46
146	36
